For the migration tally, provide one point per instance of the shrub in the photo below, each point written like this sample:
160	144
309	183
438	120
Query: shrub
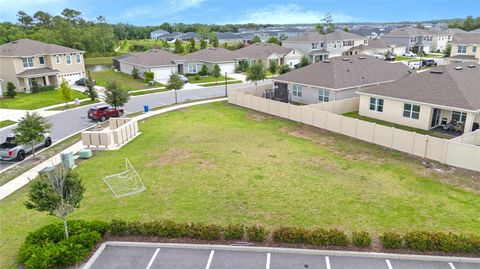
282	69
391	240
234	232
361	239
256	233
196	77
135	228
135	73
437	241
419	240
294	235
205	231
148	76
118	227
318	237
168	228
203	71
10	92
337	238
45	88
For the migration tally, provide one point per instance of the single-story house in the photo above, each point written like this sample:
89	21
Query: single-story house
210	57
377	46
336	78
229	37
445	97
189	35
158	33
171	37
267	53
162	63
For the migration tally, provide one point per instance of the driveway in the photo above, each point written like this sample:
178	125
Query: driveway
121	255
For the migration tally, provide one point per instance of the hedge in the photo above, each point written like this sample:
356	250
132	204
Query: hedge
234	232
391	240
438	241
361	239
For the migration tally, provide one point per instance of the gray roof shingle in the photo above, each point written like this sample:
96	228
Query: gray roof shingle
37	71
211	55
315	37
151	58
466	38
443	86
338	73
28	47
260	51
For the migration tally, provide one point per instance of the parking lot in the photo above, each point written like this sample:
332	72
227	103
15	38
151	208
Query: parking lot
150	256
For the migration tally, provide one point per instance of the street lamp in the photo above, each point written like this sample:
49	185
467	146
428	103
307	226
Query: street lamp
226	95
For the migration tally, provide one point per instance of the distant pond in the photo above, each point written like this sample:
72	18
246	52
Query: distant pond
98	67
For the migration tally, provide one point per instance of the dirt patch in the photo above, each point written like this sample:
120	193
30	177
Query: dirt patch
206	164
171	157
316	135
326	164
258	117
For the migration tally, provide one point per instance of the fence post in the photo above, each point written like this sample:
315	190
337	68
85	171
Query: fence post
445	150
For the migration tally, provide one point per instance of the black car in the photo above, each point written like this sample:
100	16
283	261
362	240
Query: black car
429	62
82	82
390	58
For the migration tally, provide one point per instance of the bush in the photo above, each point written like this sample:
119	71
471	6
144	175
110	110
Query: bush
318	237
148	76
256	233
47	246
337	238
361	239
45	88
282	69
419	240
446	242
293	235
205	231
118	227
234	232
203	71
196	77
10	92
135	228
135	73
391	240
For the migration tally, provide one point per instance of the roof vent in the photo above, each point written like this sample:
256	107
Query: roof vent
436	71
326	61
458	68
471	66
345	59
361	57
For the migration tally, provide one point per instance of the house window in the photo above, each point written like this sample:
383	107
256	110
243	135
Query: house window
365	42
57	59
192	68
297	90
79	59
41	60
314	46
412	39
411	111
474	49
459	116
323	95
376	104
462	49
27	62
69	59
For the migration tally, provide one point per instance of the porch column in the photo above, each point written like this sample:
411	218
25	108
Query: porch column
45	79
469	122
27	85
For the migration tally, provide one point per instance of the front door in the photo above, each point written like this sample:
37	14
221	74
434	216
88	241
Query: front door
180	69
436	117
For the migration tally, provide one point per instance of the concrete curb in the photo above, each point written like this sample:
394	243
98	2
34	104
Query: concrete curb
94	256
284	250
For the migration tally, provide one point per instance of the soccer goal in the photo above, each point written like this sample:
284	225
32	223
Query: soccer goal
125	183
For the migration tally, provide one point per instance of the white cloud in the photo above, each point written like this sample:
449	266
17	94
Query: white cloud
288	14
164	8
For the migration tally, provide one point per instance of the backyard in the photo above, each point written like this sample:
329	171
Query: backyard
99	60
123	80
37	100
218	163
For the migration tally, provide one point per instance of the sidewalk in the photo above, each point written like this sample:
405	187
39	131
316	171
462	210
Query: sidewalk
31	174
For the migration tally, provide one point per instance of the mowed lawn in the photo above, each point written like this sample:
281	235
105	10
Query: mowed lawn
218	163
37	100
123	80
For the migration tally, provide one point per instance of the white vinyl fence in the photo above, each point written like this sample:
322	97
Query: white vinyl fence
327	116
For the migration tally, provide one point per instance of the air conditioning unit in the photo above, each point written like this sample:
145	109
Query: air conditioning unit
67	160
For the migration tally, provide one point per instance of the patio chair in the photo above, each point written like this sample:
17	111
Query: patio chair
458	127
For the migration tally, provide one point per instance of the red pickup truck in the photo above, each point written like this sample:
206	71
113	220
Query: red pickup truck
103	113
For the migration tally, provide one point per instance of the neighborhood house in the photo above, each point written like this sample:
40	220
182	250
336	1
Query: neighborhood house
465	47
446	98
27	63
266	53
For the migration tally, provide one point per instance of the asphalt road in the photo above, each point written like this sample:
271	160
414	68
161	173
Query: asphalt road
69	122
185	257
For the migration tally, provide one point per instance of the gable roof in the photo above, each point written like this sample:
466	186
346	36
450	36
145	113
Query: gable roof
443	86
408	31
211	55
28	47
454	31
338	72
376	43
260	51
228	35
466	38
306	37
160	31
189	35
341	35
316	37
151	58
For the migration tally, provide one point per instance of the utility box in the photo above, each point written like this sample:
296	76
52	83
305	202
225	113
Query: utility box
85	153
67	160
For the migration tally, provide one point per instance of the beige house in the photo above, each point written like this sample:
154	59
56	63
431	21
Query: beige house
465	47
446	98
268	53
26	61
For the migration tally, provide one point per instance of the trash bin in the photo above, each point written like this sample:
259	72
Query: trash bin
145	108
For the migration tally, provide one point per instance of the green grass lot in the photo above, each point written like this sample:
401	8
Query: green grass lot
36	100
99	60
123	80
5	123
404	58
147	92
209	78
82	103
146	44
219	163
221	83
398	126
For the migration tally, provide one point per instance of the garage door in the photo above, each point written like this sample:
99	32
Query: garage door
229	68
71	77
162	73
292	61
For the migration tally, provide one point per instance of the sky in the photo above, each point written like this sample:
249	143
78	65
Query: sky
150	12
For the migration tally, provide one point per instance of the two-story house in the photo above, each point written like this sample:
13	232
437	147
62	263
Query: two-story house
414	39
440	39
25	62
465	47
320	47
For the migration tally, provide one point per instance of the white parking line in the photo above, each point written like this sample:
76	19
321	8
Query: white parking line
268	261
451	265
210	258
389	264
153	258
327	261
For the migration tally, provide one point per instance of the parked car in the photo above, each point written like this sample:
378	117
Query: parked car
429	62
83	82
103	113
409	54
390	58
183	79
10	151
379	56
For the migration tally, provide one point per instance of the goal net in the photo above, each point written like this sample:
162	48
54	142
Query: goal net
125	183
